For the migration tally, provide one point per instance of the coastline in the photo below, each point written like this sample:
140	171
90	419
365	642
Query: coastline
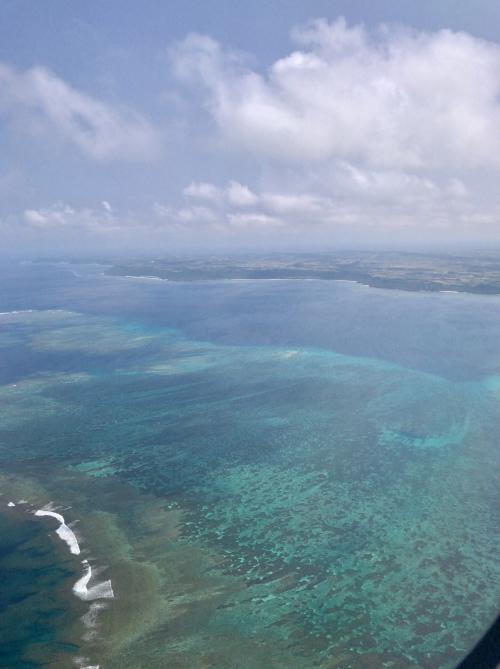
364	283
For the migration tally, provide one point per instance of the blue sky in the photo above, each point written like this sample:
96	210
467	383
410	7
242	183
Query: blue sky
178	125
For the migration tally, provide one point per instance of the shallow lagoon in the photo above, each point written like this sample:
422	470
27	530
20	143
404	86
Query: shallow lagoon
273	474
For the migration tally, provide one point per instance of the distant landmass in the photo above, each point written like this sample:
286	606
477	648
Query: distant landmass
478	273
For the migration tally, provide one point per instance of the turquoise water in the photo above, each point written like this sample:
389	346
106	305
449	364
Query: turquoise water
273	474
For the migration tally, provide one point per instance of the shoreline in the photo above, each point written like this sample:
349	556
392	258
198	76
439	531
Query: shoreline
405	289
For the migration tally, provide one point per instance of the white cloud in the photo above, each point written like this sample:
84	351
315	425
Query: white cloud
101	131
387	187
202	191
355	133
253	219
34	217
302	204
352	202
345	196
381	130
239	195
392	99
223	208
195	214
234	193
62	216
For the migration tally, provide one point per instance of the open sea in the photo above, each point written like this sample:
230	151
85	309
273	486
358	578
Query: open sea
244	474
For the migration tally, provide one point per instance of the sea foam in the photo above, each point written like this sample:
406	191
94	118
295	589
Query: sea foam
63	531
103	590
97	591
81	663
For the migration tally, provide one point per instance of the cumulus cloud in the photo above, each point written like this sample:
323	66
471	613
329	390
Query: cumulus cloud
100	131
392	98
61	216
365	133
253	219
234	205
375	204
234	193
239	195
375	130
202	191
344	196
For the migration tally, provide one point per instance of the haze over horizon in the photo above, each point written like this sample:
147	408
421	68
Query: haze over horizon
176	127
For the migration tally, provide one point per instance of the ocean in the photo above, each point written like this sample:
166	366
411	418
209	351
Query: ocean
244	474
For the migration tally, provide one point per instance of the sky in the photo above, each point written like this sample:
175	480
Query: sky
188	126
